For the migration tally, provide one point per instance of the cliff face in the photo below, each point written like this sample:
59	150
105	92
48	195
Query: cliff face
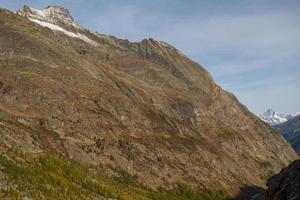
143	107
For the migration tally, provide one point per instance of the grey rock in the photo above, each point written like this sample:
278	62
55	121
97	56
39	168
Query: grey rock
286	184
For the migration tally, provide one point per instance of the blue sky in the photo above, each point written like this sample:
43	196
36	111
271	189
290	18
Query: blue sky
251	47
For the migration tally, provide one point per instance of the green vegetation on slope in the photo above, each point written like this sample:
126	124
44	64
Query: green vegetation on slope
51	177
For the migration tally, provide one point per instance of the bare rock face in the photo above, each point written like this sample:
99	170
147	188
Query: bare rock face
286	184
143	107
51	14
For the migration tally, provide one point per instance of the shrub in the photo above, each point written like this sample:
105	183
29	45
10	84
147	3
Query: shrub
99	144
50	176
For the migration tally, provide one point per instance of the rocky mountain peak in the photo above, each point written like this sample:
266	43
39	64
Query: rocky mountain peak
57	15
295	114
271	117
270	112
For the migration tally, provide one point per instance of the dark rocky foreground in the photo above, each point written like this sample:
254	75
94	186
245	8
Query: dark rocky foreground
283	186
286	184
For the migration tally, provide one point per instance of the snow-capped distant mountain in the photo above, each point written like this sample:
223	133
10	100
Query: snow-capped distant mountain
291	131
295	114
273	118
287	125
58	19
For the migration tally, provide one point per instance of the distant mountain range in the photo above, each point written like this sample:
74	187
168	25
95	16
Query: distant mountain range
287	125
274	118
291	131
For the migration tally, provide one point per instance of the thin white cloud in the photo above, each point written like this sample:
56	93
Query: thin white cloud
279	98
255	40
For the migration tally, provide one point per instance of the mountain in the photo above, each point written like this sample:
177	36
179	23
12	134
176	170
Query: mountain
271	117
287	125
291	131
55	15
90	116
295	114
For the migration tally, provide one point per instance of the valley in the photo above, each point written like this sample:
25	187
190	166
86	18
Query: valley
85	115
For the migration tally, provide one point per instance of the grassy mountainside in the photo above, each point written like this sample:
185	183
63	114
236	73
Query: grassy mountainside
51	177
143	108
27	171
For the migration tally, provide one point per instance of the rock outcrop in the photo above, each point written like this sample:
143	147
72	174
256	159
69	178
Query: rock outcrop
286	184
52	14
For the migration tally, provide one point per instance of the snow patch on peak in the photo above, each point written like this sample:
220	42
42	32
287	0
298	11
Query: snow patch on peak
273	118
56	18
166	45
69	33
51	14
295	114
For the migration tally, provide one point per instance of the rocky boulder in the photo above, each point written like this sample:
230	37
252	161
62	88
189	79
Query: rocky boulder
286	184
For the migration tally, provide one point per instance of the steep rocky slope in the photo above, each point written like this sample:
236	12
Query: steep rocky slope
291	131
140	107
